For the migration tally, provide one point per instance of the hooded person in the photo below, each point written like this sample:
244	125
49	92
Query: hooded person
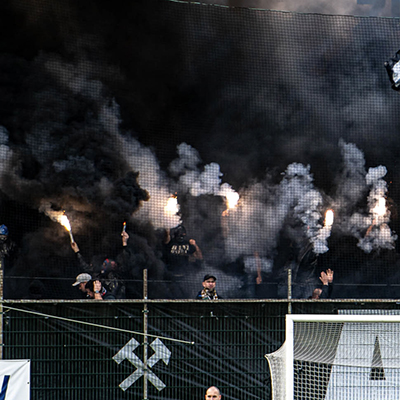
180	252
111	279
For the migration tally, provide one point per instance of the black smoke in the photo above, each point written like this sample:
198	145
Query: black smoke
107	109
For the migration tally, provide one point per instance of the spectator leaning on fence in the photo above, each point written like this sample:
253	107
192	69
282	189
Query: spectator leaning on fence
81	281
213	393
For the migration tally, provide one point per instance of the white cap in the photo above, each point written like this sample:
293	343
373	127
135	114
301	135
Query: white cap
82	278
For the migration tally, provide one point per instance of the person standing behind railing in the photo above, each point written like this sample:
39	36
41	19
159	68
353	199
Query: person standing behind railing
208	292
109	273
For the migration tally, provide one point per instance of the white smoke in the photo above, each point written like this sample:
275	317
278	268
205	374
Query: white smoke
307	203
154	181
307	210
188	160
195	181
56	216
253	264
369	226
351	184
255	224
378	235
265	209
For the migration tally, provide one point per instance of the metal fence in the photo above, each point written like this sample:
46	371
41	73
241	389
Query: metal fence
75	346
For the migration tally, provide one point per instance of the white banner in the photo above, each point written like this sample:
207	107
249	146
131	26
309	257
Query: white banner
15	379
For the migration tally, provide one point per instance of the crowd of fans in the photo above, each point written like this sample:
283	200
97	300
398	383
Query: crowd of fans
181	257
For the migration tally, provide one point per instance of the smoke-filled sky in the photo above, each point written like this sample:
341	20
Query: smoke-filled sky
108	109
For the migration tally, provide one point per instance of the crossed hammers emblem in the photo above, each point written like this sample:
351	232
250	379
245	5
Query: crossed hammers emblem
161	352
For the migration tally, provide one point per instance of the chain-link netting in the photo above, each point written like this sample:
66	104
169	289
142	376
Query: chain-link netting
245	126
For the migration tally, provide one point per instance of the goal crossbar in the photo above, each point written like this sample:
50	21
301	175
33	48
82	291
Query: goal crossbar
290	318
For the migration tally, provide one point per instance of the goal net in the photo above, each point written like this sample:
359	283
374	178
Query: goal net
338	357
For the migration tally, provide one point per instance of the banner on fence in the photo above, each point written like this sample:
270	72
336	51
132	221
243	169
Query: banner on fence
15	379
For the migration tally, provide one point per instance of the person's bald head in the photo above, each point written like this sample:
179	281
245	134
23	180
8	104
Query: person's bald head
213	393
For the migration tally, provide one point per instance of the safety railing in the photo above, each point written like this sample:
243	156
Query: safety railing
152	349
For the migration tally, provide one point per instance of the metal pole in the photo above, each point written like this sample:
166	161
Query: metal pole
1	304
289	290
145	338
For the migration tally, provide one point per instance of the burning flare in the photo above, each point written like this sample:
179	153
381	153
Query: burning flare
329	217
320	241
64	221
378	213
232	199
172	206
380	209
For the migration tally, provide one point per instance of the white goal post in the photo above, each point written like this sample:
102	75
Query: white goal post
338	357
